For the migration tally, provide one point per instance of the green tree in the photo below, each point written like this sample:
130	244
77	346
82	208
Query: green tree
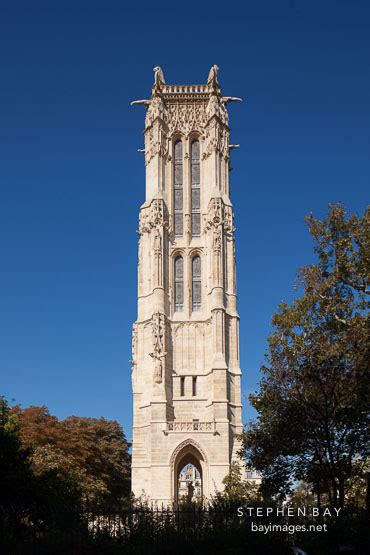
237	490
15	469
313	397
29	500
302	496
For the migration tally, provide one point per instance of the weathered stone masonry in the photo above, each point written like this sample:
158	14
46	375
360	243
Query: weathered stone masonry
185	341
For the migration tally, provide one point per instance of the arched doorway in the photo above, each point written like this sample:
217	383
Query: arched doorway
189	483
189	473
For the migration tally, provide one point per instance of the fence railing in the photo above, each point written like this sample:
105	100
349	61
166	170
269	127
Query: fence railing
173	89
180	529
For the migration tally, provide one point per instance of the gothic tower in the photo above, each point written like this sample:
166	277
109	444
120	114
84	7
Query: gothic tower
185	342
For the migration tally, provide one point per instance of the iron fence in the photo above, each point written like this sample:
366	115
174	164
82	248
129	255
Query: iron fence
164	530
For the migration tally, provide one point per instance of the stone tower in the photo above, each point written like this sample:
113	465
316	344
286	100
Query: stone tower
185	342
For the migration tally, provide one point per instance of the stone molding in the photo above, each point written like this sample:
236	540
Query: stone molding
193	426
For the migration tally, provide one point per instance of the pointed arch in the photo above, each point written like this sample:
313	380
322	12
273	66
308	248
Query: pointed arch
187	443
189	452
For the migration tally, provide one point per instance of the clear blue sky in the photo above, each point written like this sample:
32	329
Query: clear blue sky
72	182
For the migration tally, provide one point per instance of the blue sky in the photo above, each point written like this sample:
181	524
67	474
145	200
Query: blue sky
72	182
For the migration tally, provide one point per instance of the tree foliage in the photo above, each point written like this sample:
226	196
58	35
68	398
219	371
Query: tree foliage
27	498
237	491
93	451
15	465
313	397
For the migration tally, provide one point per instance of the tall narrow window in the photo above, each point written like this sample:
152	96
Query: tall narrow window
194	386
182	386
196	283
179	284
178	190
195	189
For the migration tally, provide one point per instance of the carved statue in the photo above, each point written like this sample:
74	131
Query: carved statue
157	243
212	76
158	368
158	352
157	213
190	493
217	240
158	77
215	213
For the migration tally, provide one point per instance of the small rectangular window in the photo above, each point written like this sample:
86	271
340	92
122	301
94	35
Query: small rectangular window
194	386
182	386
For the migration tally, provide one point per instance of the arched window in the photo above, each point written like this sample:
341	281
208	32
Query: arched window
196	283
179	284
195	189
178	190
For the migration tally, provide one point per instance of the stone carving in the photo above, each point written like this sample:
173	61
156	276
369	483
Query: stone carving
186	118
154	216
216	140
213	106
178	327
158	369
157	244
216	107
134	346
219	220
185	445
144	102
158	258
143	222
158	213
217	240
215	213
156	109
219	215
212	75
155	145
200	326
226	99
158	354
172	340
228	220
158	76
190	426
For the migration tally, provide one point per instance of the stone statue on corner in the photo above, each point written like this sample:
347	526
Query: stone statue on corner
158	77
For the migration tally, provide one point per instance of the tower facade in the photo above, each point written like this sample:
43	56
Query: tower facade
185	342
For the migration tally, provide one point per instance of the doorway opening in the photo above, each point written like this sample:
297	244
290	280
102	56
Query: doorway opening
188	473
189	484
